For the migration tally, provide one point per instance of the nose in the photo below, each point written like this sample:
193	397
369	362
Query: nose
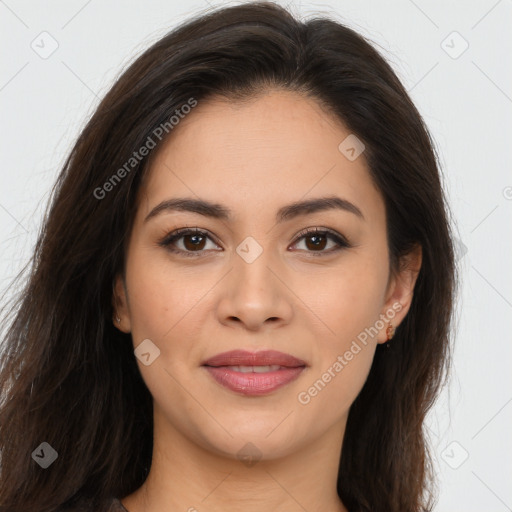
253	295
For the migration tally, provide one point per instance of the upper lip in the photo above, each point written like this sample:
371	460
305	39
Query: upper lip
262	358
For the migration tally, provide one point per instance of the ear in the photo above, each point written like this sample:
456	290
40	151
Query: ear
400	291
120	305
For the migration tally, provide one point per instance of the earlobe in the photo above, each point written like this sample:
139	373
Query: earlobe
119	304
400	292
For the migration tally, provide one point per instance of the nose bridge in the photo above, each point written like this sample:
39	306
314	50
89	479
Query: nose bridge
252	275
254	293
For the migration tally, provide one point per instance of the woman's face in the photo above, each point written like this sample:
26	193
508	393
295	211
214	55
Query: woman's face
253	281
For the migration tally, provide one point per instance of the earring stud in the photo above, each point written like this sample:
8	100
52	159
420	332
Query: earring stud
118	320
390	332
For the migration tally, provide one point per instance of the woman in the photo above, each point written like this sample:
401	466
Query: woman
242	291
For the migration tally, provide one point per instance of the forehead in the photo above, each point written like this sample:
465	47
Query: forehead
274	149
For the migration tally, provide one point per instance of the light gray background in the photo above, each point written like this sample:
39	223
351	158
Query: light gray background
466	102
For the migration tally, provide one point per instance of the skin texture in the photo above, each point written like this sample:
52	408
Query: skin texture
255	157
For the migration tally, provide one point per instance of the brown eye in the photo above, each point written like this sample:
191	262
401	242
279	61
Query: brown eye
316	241
191	241
194	242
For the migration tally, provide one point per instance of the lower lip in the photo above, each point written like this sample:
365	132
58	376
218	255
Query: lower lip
253	384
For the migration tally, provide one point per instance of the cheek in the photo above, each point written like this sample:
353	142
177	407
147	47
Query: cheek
344	355
345	300
348	302
160	297
331	392
340	378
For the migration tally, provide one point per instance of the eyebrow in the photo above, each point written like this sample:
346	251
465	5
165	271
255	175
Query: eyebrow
285	213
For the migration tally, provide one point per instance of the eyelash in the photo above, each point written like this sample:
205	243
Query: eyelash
170	238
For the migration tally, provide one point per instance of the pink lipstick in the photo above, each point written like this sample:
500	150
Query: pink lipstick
254	373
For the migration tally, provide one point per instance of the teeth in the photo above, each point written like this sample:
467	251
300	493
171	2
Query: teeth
255	369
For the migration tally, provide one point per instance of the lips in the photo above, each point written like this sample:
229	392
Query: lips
263	358
254	374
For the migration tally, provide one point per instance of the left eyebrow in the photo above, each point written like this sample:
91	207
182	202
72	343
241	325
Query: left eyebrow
285	213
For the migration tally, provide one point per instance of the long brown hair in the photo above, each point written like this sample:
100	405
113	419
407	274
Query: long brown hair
68	377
